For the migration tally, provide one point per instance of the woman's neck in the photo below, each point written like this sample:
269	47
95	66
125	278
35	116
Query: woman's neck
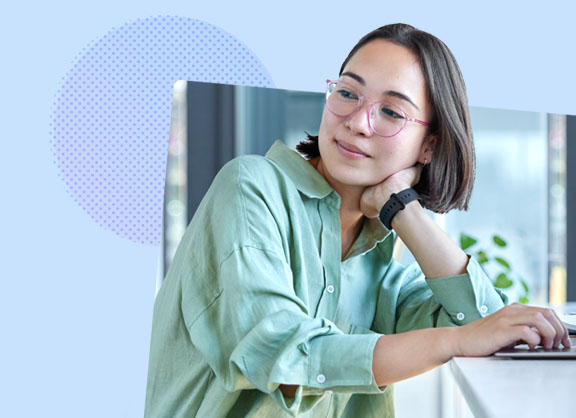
351	217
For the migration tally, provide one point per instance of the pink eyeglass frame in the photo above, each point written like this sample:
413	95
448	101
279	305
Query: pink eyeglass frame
361	99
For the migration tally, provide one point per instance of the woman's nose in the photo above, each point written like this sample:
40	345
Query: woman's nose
358	122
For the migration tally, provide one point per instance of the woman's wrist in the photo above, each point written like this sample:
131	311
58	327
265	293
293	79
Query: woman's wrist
411	209
397	204
393	188
454	338
375	197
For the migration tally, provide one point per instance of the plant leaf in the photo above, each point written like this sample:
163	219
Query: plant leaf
499	241
466	241
481	257
503	282
502	262
524	300
525	286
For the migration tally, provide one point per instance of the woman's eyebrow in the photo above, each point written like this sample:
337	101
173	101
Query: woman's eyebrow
402	96
391	93
355	77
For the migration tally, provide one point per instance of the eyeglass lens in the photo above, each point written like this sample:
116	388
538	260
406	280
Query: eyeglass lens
385	118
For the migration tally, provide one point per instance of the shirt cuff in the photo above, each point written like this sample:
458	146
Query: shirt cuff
338	363
342	363
469	296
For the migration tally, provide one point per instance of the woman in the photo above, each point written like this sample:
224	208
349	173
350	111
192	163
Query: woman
283	298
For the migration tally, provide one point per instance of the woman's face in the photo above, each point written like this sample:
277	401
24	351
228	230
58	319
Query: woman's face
351	154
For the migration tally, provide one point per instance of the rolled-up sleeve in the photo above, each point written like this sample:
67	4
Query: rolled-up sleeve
467	297
408	301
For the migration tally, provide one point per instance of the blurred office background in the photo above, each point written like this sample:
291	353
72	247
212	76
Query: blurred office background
521	193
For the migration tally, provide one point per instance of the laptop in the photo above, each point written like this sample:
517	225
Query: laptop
522	351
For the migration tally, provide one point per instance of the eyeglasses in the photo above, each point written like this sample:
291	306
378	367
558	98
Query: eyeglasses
385	119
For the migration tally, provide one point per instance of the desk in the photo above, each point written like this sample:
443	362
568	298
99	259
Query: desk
498	387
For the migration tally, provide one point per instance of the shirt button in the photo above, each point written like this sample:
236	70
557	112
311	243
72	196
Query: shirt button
330	289
320	378
483	308
460	316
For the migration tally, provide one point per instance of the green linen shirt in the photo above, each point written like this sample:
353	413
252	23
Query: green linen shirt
258	296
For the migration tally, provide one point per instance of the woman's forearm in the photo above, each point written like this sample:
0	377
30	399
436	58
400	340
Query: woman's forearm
401	356
436	253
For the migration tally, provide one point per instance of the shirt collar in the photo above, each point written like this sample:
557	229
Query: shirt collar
373	232
312	184
305	177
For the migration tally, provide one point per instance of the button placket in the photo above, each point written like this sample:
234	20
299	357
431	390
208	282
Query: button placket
329	254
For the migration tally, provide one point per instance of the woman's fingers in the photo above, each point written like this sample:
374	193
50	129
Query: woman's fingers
562	335
512	324
550	316
418	173
544	321
545	328
529	336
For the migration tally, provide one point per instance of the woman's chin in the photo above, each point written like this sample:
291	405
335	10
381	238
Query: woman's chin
345	175
354	180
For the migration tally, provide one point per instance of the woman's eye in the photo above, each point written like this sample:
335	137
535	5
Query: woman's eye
390	113
346	94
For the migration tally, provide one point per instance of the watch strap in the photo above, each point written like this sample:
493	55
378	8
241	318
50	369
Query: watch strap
396	203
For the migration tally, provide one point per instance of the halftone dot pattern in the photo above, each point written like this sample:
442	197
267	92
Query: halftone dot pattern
111	119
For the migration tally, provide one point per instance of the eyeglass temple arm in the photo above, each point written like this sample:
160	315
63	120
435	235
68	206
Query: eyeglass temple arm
421	122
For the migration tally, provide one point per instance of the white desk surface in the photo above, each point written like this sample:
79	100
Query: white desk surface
499	387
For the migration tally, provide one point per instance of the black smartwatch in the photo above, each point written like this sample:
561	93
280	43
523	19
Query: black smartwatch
397	202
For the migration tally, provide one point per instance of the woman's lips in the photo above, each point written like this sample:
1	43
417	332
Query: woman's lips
350	151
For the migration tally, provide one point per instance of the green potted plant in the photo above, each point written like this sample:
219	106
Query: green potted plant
490	258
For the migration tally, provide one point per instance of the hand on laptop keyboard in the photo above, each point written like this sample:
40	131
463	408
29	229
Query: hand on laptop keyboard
509	326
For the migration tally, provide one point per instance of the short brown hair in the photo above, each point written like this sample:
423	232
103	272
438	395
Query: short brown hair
446	183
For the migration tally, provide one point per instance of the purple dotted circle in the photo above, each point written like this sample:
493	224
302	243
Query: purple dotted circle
111	119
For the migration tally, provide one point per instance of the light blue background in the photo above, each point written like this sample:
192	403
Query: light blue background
76	299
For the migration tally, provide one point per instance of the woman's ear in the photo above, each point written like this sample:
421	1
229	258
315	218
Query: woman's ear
427	150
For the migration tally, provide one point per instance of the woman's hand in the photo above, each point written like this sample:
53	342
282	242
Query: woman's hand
374	197
400	356
511	325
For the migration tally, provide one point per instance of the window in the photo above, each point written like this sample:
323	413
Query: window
520	190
